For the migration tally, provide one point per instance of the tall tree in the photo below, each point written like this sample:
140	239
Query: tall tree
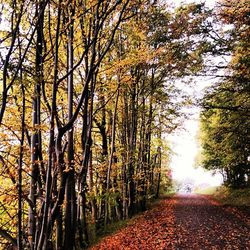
227	103
97	95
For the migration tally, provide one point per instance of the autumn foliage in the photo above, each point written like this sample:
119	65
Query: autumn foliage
89	91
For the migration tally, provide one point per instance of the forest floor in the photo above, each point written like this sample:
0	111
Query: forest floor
184	222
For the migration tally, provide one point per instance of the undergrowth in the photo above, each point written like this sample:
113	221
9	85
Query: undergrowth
227	195
236	197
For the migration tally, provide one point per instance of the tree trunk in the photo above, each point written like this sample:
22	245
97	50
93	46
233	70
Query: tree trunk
70	199
111	156
132	144
159	174
93	199
36	122
44	234
20	166
124	137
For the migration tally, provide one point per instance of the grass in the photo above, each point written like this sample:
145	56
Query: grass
235	197
228	196
110	229
118	225
207	191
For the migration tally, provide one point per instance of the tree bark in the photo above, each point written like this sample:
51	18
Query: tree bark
20	166
70	199
45	231
111	156
36	122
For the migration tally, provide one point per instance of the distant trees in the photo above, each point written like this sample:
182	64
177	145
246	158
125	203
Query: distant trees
225	123
88	95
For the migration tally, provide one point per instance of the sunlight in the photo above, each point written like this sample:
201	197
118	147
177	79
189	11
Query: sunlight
185	147
209	3
184	143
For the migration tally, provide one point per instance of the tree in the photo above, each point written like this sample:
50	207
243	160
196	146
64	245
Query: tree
225	120
97	96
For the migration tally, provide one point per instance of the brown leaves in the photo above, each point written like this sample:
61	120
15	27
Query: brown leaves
153	229
183	222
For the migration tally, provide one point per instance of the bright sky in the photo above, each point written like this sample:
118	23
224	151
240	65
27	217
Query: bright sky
208	2
185	145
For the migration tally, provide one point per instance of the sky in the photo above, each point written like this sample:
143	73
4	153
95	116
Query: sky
208	2
186	146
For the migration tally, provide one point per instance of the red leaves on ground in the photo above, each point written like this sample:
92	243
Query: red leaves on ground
153	229
183	222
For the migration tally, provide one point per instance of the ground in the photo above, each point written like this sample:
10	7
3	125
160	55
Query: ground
184	222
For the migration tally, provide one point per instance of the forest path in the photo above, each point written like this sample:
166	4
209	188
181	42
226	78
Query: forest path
184	222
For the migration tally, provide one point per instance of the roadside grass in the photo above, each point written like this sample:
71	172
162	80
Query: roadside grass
235	197
228	196
118	225
207	191
110	229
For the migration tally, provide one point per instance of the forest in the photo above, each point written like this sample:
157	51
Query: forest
89	91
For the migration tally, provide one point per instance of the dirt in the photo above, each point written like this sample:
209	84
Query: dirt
184	222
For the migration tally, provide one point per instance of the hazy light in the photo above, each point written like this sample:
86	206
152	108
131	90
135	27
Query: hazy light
185	147
209	3
184	142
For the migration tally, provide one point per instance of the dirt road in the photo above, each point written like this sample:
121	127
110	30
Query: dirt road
184	222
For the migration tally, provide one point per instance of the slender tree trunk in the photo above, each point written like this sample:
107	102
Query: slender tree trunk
143	154
81	199
103	174
45	230
83	180
111	156
132	147
93	199
36	122
124	141
86	148
20	166
70	199
59	231
149	133
159	174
